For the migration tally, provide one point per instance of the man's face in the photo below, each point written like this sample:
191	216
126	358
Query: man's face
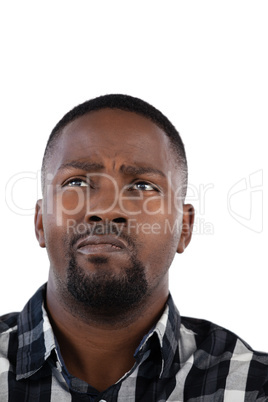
111	214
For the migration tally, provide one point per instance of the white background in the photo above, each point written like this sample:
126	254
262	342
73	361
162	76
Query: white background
202	63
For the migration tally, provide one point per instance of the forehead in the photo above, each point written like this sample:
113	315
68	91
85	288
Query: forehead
113	134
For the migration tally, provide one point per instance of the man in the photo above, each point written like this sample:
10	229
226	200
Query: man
104	327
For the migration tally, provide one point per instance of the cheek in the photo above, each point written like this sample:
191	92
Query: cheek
65	209
154	206
158	237
72	202
55	230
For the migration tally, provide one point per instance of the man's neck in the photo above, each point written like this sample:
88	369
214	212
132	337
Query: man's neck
90	349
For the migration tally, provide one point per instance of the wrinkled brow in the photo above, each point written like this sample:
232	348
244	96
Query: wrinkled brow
125	169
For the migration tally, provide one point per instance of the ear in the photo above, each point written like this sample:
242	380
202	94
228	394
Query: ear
187	227
38	223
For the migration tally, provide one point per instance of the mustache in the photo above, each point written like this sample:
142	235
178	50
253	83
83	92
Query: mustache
98	229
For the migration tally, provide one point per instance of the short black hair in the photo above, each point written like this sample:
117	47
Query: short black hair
126	103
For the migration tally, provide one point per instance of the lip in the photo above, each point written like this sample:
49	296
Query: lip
100	244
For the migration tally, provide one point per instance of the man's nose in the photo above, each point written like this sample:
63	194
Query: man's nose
106	206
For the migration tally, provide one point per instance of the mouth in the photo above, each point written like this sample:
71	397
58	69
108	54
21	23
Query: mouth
100	244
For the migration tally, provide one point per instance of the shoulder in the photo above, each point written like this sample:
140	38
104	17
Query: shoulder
206	332
8	341
8	322
216	351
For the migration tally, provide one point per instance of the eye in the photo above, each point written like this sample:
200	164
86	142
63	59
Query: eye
76	183
143	186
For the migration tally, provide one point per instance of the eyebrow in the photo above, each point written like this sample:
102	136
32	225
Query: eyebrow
139	170
87	166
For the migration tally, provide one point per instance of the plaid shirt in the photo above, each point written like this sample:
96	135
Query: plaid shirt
181	359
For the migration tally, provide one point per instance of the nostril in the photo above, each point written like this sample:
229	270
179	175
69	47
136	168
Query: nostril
95	218
119	220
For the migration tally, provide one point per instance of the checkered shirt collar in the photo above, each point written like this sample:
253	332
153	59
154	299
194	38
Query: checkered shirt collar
36	339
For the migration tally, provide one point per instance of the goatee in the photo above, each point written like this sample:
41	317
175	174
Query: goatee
106	293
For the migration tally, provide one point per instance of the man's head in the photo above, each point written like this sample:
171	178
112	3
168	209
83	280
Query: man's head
112	217
127	103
